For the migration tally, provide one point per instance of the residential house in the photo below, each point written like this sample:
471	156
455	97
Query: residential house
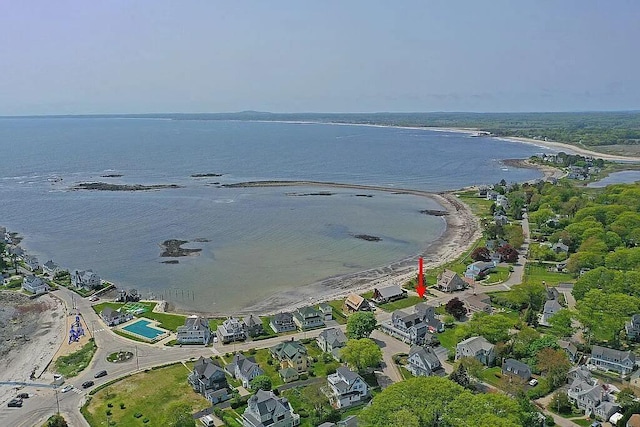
282	322
243	369
35	285
31	262
428	314
331	341
632	328
550	308
596	400
265	409
559	247
423	362
353	303
516	368
569	348
115	317
502	201
288	375
608	359
253	326
500	219
15	251
209	380
50	268
450	281
128	296
291	354
579	373
346	388
308	318
479	302
479	268
326	310
350	421
408	327
230	330
86	279
388	294
195	331
478	348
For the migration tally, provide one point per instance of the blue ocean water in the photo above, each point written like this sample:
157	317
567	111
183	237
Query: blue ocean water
256	241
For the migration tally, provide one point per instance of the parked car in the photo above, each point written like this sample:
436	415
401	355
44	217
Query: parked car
100	374
23	396
15	403
215	339
66	388
94	298
87	384
533	382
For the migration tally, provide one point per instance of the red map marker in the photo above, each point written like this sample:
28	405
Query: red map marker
421	288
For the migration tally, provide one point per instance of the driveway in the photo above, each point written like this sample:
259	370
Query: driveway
389	347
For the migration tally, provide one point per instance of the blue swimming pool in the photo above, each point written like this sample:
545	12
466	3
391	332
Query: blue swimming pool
142	328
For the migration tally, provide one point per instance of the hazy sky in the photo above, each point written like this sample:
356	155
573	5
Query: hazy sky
135	56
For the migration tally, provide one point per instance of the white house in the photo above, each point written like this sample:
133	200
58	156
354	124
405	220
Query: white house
232	329
478	348
114	317
34	285
50	268
423	362
265	409
346	388
85	279
195	331
31	262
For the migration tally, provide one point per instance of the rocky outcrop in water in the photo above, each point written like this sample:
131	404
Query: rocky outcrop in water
173	248
103	186
367	237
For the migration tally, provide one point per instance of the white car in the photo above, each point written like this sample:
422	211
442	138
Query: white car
215	339
66	388
533	382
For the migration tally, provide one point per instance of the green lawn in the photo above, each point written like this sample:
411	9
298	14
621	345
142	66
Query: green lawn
167	321
480	206
262	356
101	306
582	422
410	301
448	339
499	275
320	368
489	376
302	405
266	327
213	323
72	364
538	273
151	393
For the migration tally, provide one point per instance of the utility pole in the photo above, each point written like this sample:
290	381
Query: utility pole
137	360
57	400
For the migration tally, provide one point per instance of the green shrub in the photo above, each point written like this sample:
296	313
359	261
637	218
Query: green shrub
122	405
109	405
303	377
146	420
137	415
108	412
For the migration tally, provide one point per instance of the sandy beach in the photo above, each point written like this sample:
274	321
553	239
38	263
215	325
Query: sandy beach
462	230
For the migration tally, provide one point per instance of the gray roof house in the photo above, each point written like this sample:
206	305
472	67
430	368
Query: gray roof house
253	325
514	367
290	354
50	268
308	318
408	327
114	317
559	247
230	330
194	331
85	279
35	285
608	359
450	281
243	369
632	328
331	339
390	293
593	398
346	388
31	262
264	409
282	322
478	348
550	308
569	348
479	302
423	362
206	378
326	310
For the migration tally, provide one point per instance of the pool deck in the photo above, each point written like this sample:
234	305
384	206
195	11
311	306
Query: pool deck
151	325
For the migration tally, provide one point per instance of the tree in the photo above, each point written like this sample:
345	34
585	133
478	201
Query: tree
561	323
261	382
460	376
560	403
360	324
361	354
508	253
57	421
626	397
179	415
555	364
481	253
472	366
456	308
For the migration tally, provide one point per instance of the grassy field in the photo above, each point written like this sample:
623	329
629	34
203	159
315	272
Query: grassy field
499	275
320	368
448	339
262	356
166	320
149	393
537	274
489	376
72	364
478	205
410	301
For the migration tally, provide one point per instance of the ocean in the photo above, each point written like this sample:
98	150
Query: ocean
254	241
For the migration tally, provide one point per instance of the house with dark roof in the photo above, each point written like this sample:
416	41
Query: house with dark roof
50	268
346	388
282	322
559	247
230	330
479	302
450	281
308	318
550	308
115	317
408	327
569	348
35	285
428	313
253	325
194	331
423	362
243	369
86	279
596	400
31	262
478	348
288	375
326	310
608	359
265	409
331	339
513	367
353	303
388	294
291	354
632	328
479	268
209	380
